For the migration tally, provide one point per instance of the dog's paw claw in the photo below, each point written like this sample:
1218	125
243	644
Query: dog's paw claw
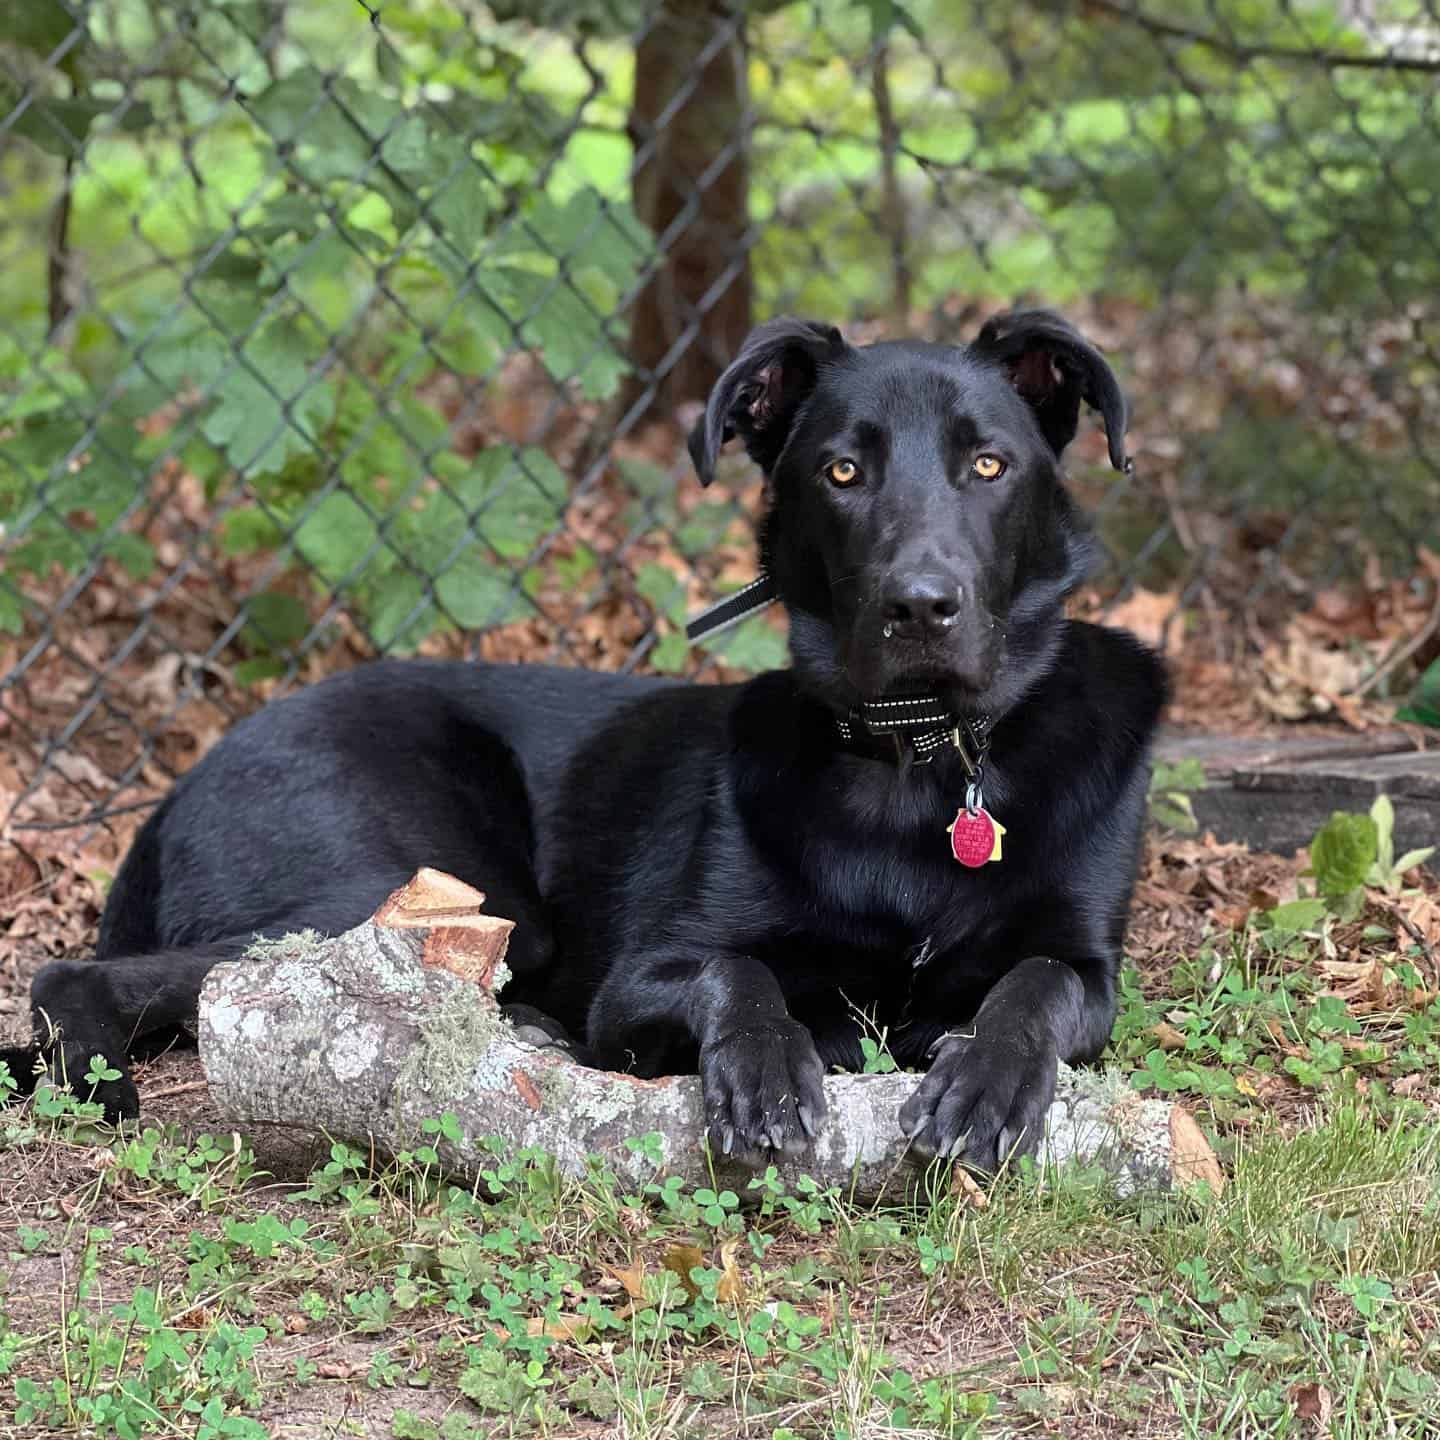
980	1104
764	1090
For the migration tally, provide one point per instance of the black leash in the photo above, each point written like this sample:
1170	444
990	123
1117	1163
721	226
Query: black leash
758	595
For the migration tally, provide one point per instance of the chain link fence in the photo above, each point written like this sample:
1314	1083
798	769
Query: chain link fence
331	329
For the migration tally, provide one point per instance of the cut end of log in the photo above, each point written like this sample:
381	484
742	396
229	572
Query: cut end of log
462	940
431	897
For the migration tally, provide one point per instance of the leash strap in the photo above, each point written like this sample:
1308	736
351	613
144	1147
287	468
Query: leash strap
756	596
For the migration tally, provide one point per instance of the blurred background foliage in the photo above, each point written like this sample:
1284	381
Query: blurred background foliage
270	270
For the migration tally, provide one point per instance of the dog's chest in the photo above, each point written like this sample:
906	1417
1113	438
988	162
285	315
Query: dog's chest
879	916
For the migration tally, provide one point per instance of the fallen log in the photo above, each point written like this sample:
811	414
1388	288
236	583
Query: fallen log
366	1035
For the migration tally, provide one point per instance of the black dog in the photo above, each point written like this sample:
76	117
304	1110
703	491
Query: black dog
739	879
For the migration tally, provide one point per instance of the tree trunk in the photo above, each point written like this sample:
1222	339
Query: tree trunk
365	1036
689	122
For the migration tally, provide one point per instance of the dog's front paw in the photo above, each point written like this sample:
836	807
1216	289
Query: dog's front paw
983	1101
764	1088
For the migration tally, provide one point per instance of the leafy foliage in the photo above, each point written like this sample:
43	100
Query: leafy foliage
1351	852
1343	852
1171	785
354	224
1070	147
368	230
1423	707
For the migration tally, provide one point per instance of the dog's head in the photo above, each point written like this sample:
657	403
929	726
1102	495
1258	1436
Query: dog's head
918	529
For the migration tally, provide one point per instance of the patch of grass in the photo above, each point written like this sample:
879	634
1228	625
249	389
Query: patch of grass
159	1282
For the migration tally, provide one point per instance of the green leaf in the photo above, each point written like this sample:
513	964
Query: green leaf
477	591
752	645
1419	714
261	667
509	500
135	554
336	537
1423	707
665	591
39	25
1175	812
670	655
269	409
704	528
274	621
389	63
648	481
12	611
301	110
461	208
1297	916
400	615
570	334
242	532
885	15
60	127
1343	851
406	1425
1382	812
1411	858
1188	774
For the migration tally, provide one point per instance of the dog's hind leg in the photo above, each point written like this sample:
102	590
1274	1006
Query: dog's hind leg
84	1008
545	1032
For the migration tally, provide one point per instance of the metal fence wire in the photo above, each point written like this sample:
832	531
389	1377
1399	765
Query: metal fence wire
331	328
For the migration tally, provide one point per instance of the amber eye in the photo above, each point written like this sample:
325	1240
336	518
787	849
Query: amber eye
988	467
842	472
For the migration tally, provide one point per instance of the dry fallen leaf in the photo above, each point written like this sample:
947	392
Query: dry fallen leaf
1312	1402
964	1184
1191	1157
732	1283
338	1369
1304	677
1167	1036
681	1260
562	1327
1361	983
631	1277
1149	615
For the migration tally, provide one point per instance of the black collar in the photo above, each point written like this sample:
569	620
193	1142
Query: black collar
913	728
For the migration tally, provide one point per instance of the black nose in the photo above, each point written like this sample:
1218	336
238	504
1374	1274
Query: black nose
921	604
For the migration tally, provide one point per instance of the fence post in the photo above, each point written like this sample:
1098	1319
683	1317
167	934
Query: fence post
692	168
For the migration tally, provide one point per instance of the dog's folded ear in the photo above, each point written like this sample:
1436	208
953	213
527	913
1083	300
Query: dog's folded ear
1054	367
757	397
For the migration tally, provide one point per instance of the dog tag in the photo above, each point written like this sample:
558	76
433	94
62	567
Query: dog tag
975	837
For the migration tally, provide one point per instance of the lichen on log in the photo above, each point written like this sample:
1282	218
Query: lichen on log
366	1035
